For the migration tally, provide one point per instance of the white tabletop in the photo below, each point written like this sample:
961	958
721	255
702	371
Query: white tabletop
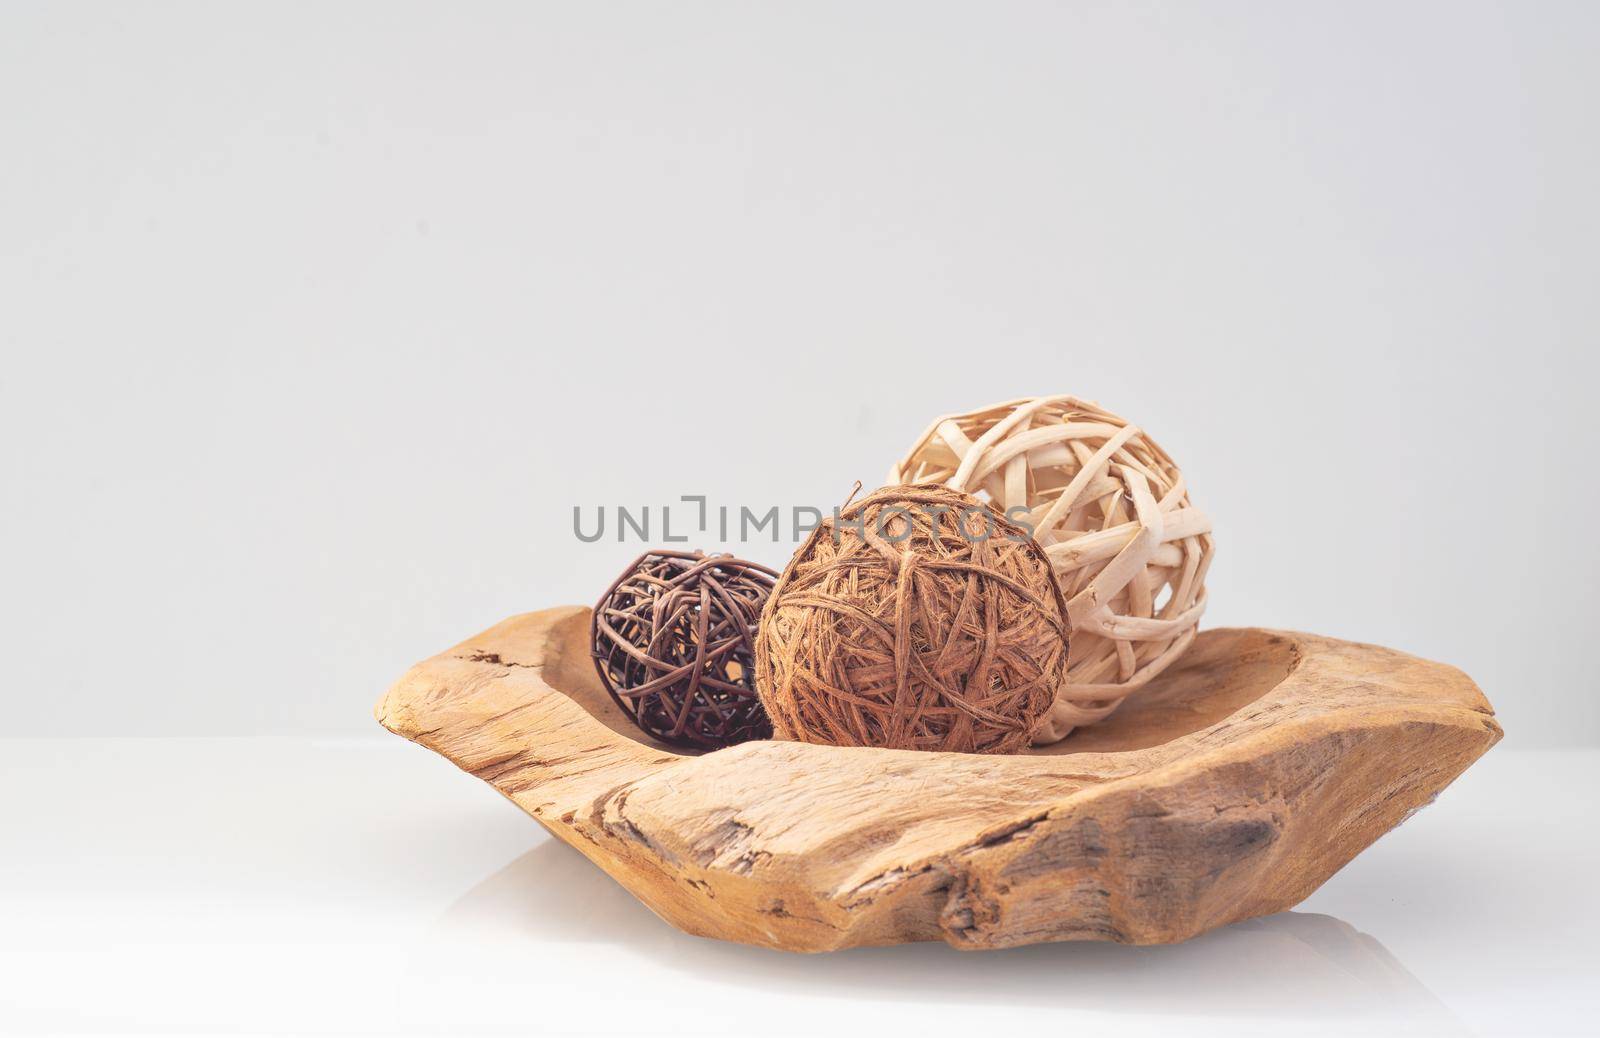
294	885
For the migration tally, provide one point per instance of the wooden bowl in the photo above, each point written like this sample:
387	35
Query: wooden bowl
1232	786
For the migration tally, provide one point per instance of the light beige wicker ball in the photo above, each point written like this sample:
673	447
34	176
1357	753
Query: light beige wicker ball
1110	509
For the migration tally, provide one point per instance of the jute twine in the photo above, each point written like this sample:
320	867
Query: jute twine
1111	510
919	619
672	640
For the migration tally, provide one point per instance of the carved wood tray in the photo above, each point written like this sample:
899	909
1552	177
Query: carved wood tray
1232	786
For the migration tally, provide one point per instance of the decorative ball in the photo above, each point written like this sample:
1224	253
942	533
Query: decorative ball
1111	510
673	641
918	618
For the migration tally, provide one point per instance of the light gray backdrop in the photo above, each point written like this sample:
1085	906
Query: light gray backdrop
318	320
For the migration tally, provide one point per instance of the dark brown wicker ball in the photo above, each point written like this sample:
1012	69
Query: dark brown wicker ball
674	644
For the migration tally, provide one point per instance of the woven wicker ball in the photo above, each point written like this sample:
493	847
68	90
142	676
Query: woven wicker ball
1112	511
673	642
918	619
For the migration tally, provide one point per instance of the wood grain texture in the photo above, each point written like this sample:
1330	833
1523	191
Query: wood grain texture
1232	786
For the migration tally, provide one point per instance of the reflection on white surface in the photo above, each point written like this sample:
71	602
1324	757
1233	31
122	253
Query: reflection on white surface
1286	965
276	885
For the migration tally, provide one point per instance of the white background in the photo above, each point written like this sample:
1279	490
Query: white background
318	320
